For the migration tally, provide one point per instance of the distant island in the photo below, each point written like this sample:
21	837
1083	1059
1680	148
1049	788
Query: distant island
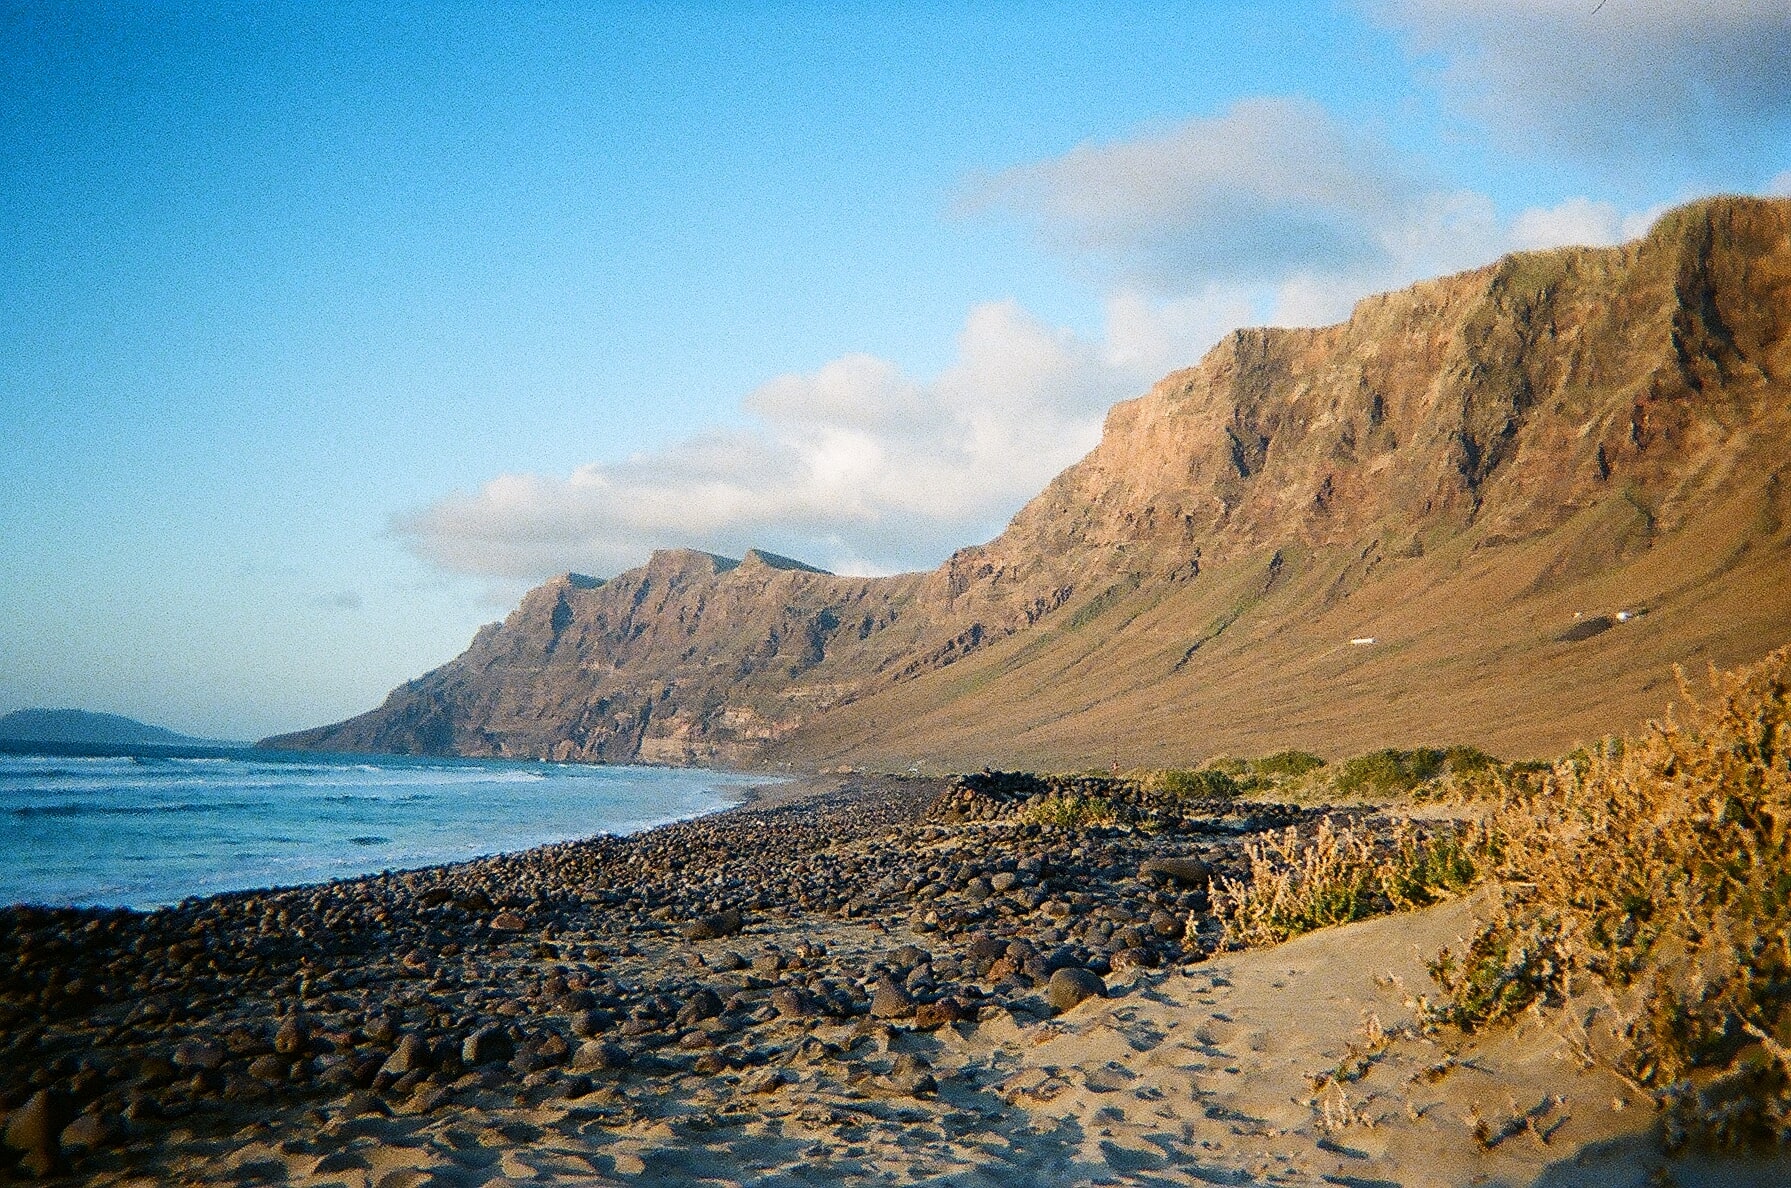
84	726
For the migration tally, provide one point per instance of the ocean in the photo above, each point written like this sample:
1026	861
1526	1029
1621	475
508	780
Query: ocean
147	826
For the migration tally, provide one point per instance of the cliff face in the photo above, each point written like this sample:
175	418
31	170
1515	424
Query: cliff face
691	657
1454	471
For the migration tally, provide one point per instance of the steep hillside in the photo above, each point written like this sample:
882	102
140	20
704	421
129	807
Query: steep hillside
1456	472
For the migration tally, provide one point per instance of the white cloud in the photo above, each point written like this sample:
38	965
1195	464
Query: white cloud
1702	79
1152	336
1579	222
1269	188
856	467
1272	212
1780	186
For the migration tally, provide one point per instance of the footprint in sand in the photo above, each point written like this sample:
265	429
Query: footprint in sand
1108	1078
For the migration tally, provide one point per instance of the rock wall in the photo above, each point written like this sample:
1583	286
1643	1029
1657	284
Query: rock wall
1586	422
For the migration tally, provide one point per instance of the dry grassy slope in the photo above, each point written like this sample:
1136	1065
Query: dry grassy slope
1455	471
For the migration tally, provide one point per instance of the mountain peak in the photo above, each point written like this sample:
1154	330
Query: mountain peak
760	559
1456	471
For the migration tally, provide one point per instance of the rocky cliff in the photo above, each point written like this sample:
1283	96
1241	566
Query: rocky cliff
1456	472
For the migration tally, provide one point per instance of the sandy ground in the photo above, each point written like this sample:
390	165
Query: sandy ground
1297	1065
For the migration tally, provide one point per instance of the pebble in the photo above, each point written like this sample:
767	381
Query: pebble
363	992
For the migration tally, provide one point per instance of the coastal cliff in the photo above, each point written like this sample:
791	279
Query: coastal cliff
1493	507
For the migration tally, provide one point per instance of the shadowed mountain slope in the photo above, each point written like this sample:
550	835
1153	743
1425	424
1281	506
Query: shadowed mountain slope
1478	473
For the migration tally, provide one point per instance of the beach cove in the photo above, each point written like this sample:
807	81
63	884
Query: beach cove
909	977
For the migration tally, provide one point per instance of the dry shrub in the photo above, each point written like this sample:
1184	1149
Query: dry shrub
1656	868
1295	885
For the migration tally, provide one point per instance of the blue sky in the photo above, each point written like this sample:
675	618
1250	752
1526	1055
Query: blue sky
325	332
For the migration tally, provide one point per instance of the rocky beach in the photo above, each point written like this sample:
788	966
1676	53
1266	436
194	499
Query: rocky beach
858	979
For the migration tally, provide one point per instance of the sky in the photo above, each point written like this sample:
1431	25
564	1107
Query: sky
327	330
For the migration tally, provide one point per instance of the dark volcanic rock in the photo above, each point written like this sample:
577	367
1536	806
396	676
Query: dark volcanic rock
891	1002
1185	872
713	926
487	1045
411	1055
1071	986
294	1036
704	1004
599	1055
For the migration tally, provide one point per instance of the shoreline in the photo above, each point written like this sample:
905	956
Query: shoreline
877	964
114	881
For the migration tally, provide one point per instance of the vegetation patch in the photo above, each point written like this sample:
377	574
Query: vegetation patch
1295	884
1070	812
1656	870
1651	872
1393	773
1287	764
1206	781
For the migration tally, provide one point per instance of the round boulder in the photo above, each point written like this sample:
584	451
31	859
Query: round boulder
1071	986
293	1037
792	1003
411	1055
704	1004
198	1054
598	1055
487	1045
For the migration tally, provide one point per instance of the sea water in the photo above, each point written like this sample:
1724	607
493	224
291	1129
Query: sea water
141	827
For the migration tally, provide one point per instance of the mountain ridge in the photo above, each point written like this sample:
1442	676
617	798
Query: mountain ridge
1585	425
75	726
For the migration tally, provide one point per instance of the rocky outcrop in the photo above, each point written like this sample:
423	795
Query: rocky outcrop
1452	473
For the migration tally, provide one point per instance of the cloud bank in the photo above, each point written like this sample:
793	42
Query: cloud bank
1273	211
856	467
1566	76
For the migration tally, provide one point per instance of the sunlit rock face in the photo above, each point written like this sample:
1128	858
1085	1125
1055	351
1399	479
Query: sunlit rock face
1452	472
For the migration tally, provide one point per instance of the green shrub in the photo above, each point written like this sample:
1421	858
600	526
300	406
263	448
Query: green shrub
1388	772
1291	764
1070	812
1200	783
1461	761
